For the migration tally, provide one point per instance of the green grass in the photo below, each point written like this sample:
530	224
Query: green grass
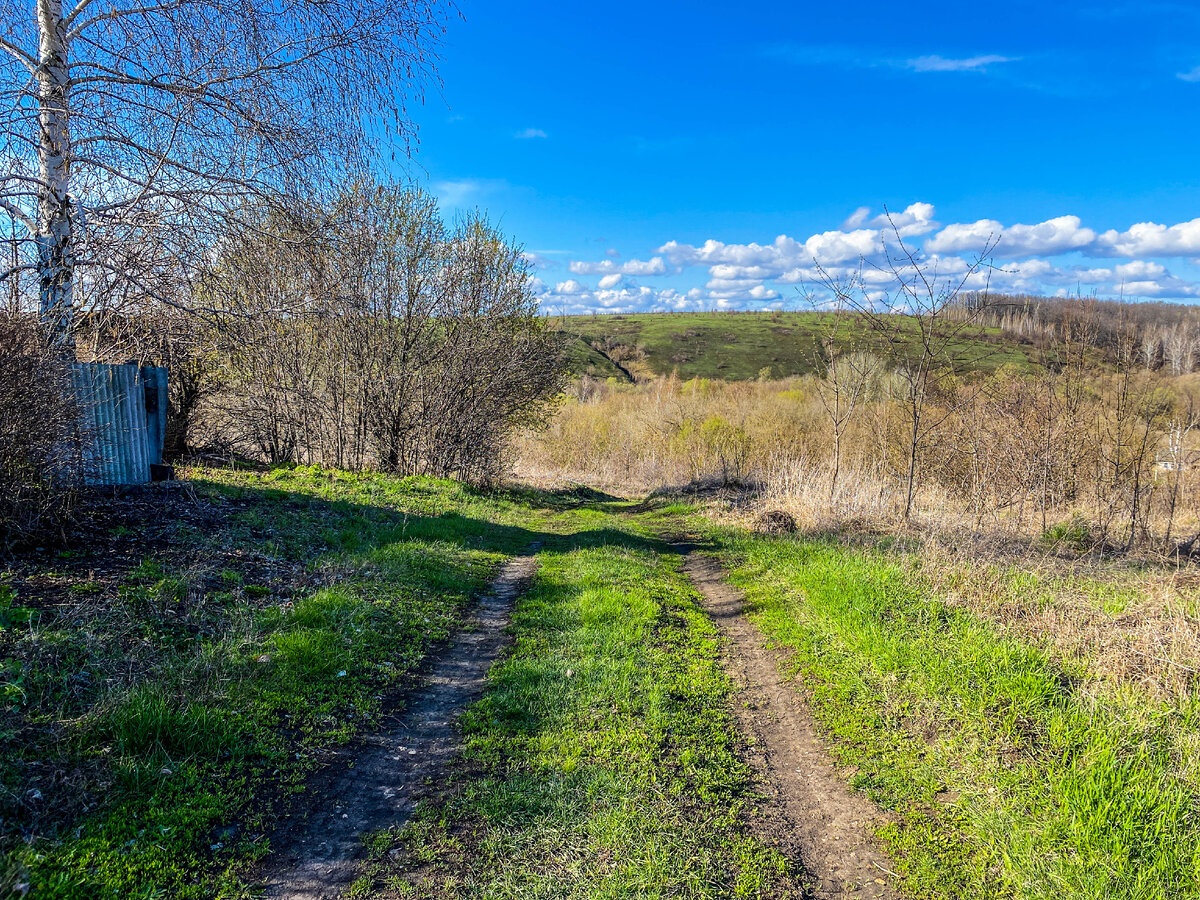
201	690
739	346
1005	778
583	359
601	763
210	715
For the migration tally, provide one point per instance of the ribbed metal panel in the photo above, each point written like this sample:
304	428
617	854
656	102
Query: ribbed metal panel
125	438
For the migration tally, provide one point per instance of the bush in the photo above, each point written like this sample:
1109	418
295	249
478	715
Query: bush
40	440
409	346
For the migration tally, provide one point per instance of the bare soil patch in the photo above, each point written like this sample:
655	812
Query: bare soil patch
830	826
375	783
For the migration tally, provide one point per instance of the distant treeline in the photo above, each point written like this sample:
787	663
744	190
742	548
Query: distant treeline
1162	335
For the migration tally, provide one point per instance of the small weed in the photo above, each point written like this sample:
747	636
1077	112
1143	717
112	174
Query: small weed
147	570
1074	534
148	723
12	615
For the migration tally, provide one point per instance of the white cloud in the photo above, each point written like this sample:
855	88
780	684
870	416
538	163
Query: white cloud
831	247
1066	234
570	286
1151	239
466	192
763	275
762	292
853	56
652	266
726	271
538	260
1059	235
457	193
826	248
732	285
856	219
959	238
1190	75
917	219
935	63
530	134
1140	269
626	299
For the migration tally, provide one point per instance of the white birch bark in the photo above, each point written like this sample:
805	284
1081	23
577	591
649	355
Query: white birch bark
55	245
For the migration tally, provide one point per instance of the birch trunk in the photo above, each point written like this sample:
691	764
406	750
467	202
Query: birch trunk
55	251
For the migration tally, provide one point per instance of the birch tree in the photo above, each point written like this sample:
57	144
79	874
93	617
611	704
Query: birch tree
134	129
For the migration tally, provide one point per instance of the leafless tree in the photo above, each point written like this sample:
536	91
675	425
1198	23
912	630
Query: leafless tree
848	376
372	334
1180	345
938	311
133	128
1185	420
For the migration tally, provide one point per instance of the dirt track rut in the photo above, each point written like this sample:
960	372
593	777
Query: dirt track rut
828	826
375	783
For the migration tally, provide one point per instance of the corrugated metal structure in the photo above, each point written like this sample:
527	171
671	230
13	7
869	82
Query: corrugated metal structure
125	416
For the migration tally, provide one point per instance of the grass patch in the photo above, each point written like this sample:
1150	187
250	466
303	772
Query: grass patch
156	723
601	761
1006	779
745	345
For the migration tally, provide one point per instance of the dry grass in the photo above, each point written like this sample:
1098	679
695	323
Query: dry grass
1131	619
775	435
1133	623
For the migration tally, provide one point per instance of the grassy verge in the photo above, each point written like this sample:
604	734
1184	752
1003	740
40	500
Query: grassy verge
1006	778
160	709
601	762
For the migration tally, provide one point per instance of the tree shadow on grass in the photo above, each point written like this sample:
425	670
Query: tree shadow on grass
170	573
296	521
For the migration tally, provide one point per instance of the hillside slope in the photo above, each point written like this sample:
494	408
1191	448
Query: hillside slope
736	346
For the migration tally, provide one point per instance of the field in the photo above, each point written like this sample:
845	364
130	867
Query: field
745	345
168	695
175	689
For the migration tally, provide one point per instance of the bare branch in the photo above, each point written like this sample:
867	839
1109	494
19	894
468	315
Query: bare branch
28	61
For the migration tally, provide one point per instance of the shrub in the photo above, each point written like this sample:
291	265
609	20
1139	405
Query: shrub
40	440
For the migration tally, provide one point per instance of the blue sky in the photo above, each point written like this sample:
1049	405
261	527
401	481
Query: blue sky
706	155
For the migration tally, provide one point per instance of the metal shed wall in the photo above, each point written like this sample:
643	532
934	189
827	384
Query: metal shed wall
124	410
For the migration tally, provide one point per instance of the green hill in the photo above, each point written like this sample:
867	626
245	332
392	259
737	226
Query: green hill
737	346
